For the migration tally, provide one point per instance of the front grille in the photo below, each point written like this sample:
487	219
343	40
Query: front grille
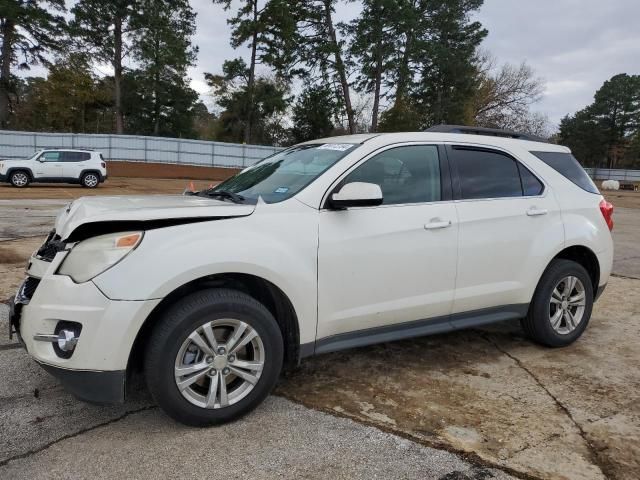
50	247
28	289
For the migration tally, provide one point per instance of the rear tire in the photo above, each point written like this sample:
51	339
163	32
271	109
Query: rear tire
20	178
90	180
181	349
561	307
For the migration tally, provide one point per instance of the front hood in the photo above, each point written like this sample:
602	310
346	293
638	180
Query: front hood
144	210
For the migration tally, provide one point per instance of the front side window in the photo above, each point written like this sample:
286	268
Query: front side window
284	174
485	174
408	174
51	156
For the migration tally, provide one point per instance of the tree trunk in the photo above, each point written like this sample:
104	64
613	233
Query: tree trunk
248	130
378	80
5	71
340	67
117	74
403	71
156	92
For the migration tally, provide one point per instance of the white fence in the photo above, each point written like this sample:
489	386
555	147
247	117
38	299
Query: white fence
614	174
130	148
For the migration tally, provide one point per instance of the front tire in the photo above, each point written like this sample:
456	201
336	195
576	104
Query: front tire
20	179
561	306
214	356
90	180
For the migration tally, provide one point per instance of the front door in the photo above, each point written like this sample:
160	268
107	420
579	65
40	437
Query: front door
49	165
395	263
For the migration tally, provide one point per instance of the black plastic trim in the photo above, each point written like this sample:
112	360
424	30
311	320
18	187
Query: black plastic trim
91	386
491	132
599	292
419	328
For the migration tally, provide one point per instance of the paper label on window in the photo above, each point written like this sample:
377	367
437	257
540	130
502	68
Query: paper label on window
340	147
281	190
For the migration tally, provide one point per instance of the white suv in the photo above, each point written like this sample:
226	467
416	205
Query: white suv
328	245
85	167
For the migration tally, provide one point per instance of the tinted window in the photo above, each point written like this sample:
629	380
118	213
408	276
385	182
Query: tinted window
51	156
73	156
531	186
405	174
568	166
487	174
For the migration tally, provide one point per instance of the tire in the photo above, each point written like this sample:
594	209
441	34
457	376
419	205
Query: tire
90	180
170	349
547	322
20	178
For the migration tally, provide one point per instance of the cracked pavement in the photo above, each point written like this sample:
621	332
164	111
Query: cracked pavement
476	404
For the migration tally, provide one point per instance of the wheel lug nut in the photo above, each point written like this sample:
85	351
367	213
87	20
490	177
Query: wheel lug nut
232	358
222	351
212	373
226	371
209	359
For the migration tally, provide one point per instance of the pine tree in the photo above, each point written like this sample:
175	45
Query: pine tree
446	54
104	27
270	30
29	30
323	52
162	48
313	114
373	46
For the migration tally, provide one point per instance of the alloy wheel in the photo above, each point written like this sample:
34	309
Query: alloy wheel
219	363
567	305
20	179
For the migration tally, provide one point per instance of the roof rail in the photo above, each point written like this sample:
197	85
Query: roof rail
492	132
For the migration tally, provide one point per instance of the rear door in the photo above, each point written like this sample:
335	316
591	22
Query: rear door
509	223
49	165
74	163
394	263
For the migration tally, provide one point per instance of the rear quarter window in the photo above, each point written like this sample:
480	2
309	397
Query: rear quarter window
568	167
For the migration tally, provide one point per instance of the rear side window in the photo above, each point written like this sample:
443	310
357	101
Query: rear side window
568	166
485	174
531	186
75	156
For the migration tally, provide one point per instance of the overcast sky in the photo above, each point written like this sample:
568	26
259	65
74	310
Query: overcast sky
574	45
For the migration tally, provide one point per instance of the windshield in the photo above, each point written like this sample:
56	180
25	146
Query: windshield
284	174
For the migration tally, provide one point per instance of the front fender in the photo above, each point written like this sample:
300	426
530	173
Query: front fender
279	248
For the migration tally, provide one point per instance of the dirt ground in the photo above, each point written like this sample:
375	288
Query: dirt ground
490	394
113	186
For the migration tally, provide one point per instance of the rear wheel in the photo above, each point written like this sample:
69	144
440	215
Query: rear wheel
214	356
561	306
20	179
90	180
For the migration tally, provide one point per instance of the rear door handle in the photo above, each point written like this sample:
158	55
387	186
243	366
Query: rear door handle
534	211
437	224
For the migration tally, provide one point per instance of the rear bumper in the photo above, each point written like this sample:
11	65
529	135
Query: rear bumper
90	386
3	177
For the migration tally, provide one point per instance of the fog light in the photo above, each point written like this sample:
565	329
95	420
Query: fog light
67	340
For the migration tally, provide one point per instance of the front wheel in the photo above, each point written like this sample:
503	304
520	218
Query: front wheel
214	356
561	306
20	179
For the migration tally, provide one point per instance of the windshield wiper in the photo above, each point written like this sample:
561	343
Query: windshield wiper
234	197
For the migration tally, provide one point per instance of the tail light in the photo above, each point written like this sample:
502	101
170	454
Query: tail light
104	165
607	212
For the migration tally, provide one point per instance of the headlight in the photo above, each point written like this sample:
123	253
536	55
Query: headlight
91	257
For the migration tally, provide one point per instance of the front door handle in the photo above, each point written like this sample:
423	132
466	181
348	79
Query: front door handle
436	224
534	211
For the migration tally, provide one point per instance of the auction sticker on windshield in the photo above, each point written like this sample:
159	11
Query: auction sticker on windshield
340	147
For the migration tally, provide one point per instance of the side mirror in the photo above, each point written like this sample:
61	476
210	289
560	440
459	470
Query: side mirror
357	194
